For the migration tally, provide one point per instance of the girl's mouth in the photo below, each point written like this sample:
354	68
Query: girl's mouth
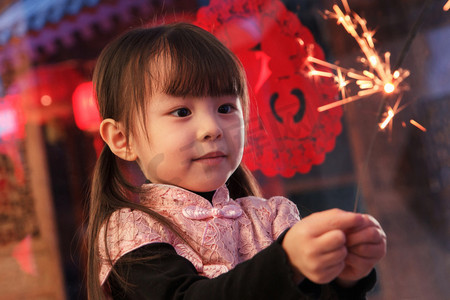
211	158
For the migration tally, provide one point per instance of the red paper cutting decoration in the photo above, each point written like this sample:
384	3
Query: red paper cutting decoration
286	132
85	110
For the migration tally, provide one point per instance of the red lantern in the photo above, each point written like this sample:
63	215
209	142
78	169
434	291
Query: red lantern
85	110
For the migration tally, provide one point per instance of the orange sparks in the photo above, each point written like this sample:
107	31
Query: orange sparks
417	124
389	88
447	5
376	75
347	7
320	73
390	115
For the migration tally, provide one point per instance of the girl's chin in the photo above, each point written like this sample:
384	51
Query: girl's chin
205	186
194	187
206	181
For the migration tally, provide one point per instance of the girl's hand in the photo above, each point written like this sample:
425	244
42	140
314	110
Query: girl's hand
317	245
366	245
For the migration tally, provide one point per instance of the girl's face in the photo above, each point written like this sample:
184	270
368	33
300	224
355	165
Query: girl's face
194	143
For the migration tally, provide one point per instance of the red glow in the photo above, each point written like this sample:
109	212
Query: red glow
24	256
85	110
11	124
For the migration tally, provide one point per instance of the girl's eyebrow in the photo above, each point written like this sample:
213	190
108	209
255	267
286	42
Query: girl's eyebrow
169	100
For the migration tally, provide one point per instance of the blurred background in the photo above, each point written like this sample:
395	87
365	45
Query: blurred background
395	167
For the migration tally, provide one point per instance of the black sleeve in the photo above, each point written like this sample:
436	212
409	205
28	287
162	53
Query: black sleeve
169	276
336	292
158	272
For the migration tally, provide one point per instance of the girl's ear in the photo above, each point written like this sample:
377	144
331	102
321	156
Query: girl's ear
113	134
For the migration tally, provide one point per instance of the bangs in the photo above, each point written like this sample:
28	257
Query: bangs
180	60
194	63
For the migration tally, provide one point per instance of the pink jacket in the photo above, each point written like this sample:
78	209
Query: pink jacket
224	233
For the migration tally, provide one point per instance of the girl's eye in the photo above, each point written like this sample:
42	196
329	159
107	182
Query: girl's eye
181	112
225	109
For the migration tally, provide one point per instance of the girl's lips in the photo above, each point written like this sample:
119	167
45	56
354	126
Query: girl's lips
215	154
211	158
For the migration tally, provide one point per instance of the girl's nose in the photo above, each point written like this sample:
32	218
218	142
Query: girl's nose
209	129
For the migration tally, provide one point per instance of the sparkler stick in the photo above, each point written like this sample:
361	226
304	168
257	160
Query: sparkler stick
426	8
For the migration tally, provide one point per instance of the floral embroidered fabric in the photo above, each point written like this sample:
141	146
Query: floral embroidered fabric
223	232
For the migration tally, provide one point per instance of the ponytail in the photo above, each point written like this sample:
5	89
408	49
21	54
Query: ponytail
99	209
109	192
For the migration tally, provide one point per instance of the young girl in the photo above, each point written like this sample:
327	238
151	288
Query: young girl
174	100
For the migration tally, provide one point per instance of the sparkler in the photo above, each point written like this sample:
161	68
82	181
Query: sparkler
377	77
391	112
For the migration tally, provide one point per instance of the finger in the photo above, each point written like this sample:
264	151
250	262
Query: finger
328	220
373	220
328	274
369	251
320	263
333	257
368	221
359	264
330	241
356	268
370	234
